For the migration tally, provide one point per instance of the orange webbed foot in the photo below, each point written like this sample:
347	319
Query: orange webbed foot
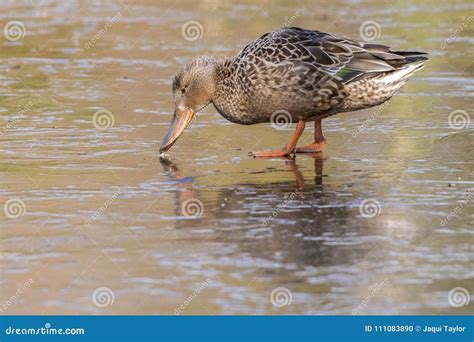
271	154
312	148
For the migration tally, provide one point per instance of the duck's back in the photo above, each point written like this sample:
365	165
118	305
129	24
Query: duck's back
311	73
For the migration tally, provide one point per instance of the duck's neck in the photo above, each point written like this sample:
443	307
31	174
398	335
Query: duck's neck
227	98
224	76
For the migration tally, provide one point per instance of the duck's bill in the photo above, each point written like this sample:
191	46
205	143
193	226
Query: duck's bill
181	120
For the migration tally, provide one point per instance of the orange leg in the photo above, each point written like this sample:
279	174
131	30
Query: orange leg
319	140
289	148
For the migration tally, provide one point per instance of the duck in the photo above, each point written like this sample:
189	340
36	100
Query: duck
291	75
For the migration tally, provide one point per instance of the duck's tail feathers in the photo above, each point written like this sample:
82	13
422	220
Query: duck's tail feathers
401	74
378	61
409	58
369	86
403	65
412	56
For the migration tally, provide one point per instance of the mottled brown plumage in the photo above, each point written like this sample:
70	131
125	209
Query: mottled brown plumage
309	75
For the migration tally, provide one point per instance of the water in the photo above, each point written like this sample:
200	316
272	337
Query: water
101	209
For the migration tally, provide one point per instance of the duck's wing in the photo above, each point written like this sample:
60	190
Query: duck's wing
345	59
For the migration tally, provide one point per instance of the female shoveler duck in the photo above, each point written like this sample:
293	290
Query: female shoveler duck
308	75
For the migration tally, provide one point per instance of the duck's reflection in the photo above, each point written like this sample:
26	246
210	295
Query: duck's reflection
187	204
296	221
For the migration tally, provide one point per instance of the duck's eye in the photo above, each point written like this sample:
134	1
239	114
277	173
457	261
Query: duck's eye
183	90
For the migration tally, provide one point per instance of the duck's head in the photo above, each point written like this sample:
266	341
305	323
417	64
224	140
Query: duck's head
193	89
